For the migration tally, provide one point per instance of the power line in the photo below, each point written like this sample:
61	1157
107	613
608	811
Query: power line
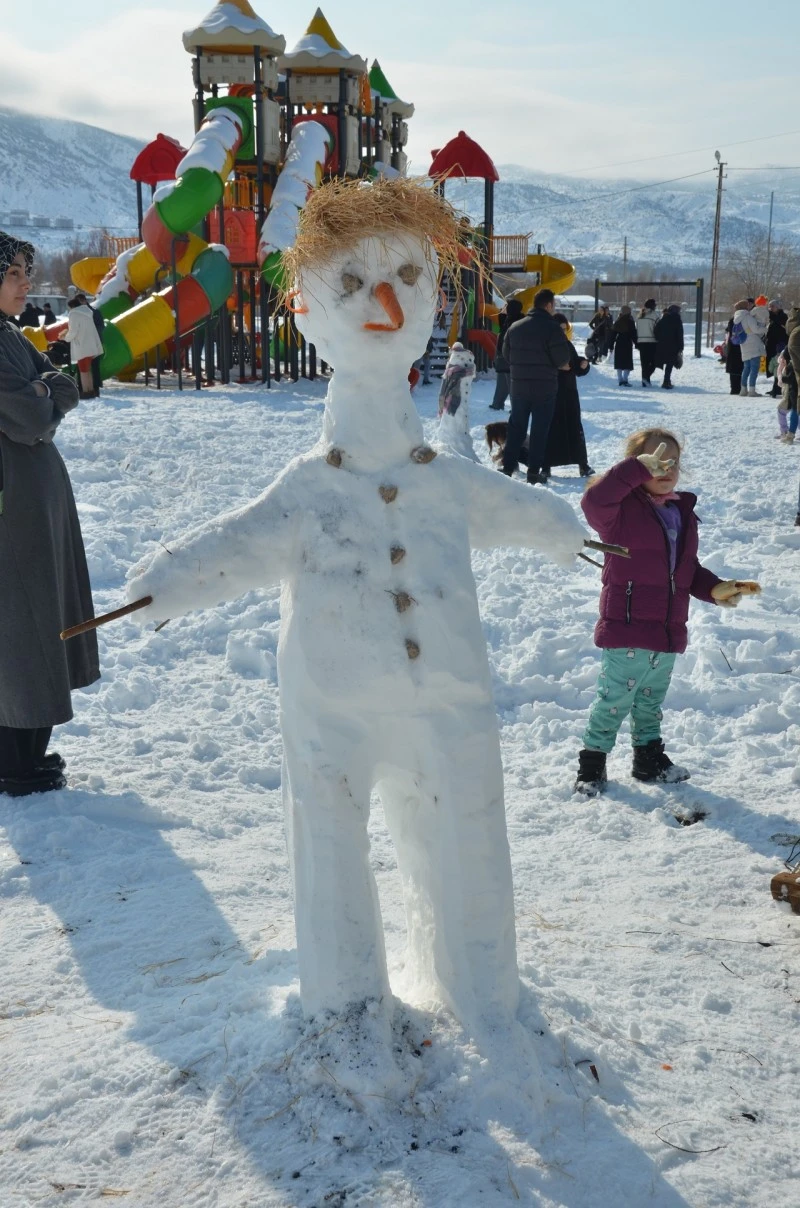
654	184
673	154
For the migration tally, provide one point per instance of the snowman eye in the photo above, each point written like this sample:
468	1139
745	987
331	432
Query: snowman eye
351	283
409	274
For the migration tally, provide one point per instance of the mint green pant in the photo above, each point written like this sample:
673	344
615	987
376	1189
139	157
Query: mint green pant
630	681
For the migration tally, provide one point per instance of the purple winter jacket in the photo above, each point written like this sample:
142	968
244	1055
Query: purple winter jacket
641	605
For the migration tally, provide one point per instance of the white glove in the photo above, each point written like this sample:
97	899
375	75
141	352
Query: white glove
656	463
729	592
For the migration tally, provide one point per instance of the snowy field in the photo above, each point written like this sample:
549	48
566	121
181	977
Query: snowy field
151	1041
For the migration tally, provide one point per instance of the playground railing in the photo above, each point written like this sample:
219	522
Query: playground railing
509	250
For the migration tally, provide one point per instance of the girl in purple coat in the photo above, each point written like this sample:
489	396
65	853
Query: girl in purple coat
644	603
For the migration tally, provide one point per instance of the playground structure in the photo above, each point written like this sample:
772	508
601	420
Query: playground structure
473	318
199	290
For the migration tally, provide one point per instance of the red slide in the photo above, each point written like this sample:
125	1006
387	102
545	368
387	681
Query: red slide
486	339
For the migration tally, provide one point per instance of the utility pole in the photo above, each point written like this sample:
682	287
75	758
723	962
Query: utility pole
712	288
769	241
625	260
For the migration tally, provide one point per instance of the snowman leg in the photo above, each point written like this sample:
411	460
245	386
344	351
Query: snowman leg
446	815
340	949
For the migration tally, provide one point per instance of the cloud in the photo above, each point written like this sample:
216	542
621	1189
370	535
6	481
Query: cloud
129	74
558	106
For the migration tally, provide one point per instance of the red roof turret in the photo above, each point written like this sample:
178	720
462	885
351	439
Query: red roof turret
157	161
462	156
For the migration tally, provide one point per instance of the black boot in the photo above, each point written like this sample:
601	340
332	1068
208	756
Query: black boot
591	778
52	762
651	763
40	780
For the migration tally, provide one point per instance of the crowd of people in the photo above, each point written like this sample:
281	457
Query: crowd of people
657	337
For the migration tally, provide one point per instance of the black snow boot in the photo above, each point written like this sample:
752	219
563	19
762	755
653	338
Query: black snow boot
40	780
650	762
591	778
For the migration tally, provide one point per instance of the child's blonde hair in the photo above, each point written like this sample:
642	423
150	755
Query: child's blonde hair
637	442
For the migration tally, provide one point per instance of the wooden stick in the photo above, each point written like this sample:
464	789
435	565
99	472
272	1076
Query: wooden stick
85	626
605	548
586	558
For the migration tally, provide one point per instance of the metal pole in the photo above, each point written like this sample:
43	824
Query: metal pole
698	319
625	260
596	294
769	241
712	288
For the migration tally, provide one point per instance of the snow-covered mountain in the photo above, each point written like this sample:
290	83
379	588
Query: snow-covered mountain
587	220
58	168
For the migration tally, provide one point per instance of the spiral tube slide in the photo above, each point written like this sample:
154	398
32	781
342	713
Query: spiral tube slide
152	322
178	205
310	146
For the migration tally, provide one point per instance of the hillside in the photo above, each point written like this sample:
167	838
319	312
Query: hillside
58	168
588	219
79	172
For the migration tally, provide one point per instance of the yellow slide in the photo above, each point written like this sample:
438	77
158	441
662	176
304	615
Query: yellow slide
557	275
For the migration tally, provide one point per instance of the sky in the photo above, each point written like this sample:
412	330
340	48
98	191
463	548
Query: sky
600	91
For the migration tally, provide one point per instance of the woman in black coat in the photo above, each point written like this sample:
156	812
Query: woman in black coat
733	360
566	443
669	343
624	343
513	311
775	341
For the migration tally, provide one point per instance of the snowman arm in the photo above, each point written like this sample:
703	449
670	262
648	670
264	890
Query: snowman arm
220	560
503	512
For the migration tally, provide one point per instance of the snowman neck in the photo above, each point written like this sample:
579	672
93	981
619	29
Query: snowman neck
371	419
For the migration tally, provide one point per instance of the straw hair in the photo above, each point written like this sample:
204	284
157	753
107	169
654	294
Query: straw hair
340	213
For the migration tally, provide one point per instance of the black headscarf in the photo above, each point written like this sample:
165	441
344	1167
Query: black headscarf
10	248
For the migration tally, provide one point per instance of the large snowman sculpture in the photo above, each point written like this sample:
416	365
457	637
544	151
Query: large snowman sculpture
382	665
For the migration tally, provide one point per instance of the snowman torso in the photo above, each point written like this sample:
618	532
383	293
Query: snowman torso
379	609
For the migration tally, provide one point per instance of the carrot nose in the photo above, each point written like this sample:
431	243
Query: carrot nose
385	294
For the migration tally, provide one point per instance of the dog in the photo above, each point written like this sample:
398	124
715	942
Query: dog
497	435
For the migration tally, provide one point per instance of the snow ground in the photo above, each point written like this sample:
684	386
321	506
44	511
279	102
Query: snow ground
151	1041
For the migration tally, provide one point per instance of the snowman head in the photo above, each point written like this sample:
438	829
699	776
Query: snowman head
366	269
461	358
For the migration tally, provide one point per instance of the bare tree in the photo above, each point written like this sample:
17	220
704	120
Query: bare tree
759	266
53	268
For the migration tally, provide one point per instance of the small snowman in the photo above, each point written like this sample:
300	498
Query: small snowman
382	664
459	374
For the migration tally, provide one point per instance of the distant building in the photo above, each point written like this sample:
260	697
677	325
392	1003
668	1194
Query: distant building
64	224
18	218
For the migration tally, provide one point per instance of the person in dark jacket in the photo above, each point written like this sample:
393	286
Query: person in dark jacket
644	603
733	353
512	312
624	343
669	342
44	582
602	324
775	341
566	442
537	349
49	315
30	316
